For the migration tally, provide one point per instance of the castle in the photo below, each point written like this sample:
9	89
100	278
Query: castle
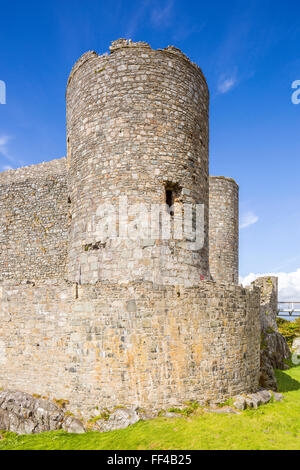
105	319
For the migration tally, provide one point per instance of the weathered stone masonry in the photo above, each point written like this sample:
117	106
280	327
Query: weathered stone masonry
34	222
106	322
223	229
137	123
275	352
151	346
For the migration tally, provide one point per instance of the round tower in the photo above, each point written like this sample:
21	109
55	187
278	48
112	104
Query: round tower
137	136
224	229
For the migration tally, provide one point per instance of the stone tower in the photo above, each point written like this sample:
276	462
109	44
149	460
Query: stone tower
224	229
137	132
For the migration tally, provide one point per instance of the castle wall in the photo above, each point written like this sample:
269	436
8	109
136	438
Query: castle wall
33	221
137	125
223	229
136	344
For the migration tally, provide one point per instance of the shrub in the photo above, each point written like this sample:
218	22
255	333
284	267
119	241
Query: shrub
289	329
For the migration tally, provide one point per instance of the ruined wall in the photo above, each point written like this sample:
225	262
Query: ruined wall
274	350
33	221
268	286
134	344
137	124
224	229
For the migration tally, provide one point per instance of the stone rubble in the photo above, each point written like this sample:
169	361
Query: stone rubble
254	400
119	419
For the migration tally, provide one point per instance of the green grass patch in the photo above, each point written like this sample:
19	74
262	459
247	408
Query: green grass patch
273	426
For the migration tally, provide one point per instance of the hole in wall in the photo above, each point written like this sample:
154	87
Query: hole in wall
68	152
172	194
170	201
94	246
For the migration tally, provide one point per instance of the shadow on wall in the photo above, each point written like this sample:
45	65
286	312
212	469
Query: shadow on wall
286	383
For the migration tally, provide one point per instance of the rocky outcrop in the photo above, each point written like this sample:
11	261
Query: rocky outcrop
267	377
277	348
23	414
273	355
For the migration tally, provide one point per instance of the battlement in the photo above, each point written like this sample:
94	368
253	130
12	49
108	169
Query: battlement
121	43
224	178
125	45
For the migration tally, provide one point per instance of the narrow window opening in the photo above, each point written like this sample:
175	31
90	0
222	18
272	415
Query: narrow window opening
68	152
194	221
170	201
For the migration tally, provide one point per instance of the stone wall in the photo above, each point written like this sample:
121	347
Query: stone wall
34	221
136	344
137	126
223	229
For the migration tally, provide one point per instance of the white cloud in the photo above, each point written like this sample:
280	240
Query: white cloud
136	19
6	167
226	84
4	139
247	219
161	16
288	284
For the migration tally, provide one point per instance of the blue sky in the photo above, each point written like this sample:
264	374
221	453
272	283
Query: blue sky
249	52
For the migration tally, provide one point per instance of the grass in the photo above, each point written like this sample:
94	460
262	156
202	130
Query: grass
273	426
